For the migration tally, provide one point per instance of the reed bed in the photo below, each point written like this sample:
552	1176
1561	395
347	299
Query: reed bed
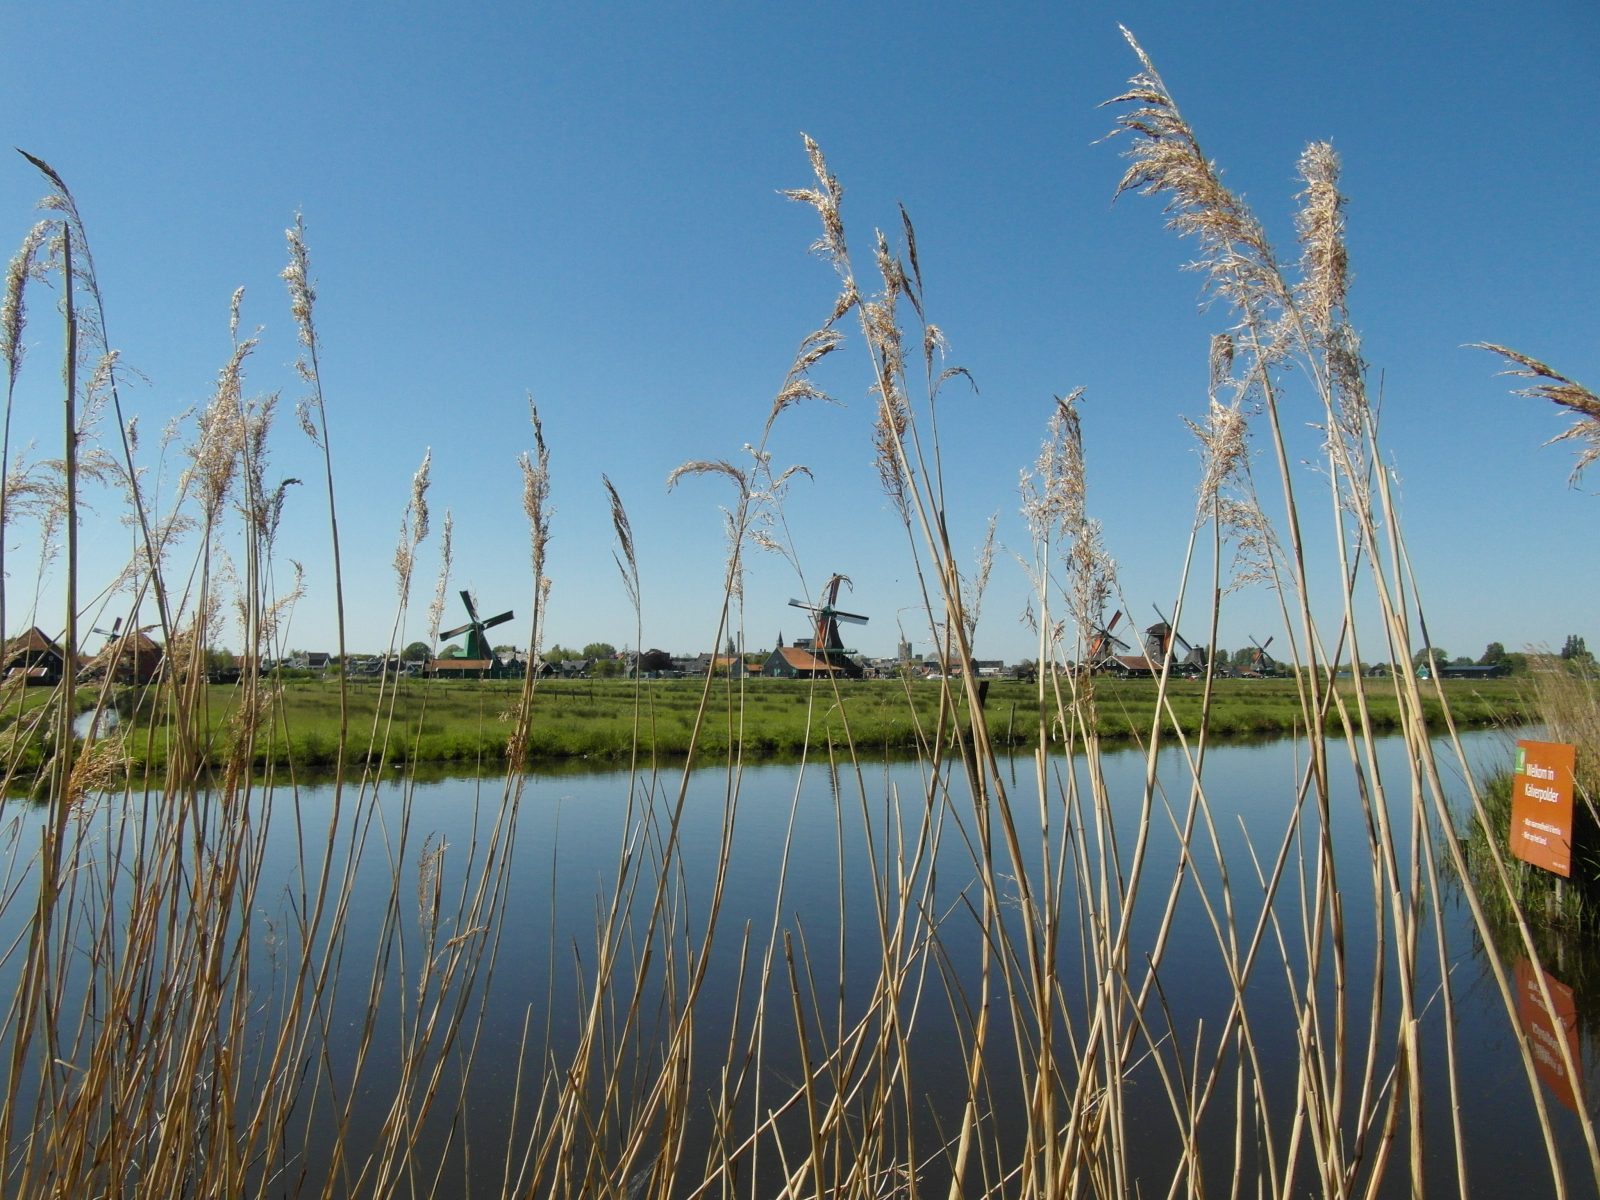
182	1024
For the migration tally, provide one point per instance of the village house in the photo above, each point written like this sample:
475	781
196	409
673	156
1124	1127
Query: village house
35	657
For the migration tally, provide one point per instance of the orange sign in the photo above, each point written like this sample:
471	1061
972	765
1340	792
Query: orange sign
1541	805
1546	1030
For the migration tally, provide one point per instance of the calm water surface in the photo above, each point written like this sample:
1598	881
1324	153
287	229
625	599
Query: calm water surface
572	830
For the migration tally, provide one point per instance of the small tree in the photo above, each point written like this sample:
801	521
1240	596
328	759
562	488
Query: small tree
1493	655
417	652
1574	649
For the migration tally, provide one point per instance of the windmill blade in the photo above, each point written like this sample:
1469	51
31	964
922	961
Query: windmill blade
466	598
1115	617
805	605
500	620
450	633
853	618
1267	643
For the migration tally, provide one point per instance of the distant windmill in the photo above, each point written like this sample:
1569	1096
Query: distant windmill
826	643
477	643
129	656
1160	647
1104	643
1261	662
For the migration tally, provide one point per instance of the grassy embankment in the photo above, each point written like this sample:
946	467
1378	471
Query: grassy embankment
467	724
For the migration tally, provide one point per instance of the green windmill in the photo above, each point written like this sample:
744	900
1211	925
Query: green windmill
478	648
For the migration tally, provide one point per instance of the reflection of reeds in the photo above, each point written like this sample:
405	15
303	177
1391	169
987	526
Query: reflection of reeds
178	1024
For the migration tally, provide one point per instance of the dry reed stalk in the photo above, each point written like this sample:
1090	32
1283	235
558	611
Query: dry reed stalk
313	416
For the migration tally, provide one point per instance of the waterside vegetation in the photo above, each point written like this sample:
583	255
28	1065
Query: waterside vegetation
165	1037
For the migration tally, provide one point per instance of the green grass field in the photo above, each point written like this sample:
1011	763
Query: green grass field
468	723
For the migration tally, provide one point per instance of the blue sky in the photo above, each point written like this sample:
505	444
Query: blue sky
581	202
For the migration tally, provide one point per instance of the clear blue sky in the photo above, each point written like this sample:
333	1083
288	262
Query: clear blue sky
581	202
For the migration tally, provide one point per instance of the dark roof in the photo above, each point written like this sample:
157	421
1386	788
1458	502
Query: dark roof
35	640
1132	662
804	660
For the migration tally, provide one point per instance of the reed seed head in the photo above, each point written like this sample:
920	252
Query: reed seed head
624	557
221	439
980	578
302	293
536	490
1222	449
419	499
1053	492
1165	160
446	549
1549	384
1324	259
13	308
413	529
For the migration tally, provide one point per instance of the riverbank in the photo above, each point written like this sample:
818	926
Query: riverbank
469	723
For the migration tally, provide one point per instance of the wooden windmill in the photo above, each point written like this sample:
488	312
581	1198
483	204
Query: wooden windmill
826	643
477	648
1160	639
1104	644
1262	663
128	656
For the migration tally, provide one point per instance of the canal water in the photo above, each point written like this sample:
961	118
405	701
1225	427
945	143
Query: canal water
808	854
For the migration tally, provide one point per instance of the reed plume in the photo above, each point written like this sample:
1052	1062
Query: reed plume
1549	384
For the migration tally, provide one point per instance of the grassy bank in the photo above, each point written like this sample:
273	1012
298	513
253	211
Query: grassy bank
470	723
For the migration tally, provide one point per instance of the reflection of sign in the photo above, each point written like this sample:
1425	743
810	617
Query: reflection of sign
1541	805
1546	1030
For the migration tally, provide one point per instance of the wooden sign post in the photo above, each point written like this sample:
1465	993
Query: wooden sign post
1541	805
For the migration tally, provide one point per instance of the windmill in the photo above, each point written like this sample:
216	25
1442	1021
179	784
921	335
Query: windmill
826	643
1159	641
478	648
129	656
1262	663
1105	644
